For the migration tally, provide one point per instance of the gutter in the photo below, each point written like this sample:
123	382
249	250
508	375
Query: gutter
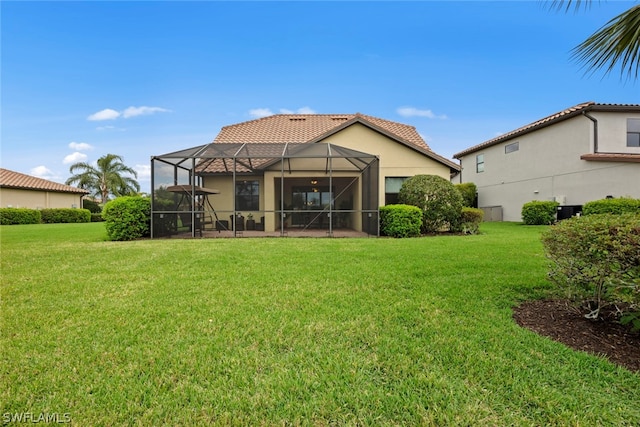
595	131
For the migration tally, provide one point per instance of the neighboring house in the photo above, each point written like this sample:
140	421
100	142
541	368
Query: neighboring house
302	170
18	190
587	152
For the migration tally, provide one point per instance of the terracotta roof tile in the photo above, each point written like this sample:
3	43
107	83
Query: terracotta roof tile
11	179
562	115
611	157
302	128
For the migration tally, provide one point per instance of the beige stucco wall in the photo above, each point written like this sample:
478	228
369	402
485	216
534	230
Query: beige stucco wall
547	166
33	199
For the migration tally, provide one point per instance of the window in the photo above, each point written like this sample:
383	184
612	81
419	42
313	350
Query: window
392	188
480	163
248	196
510	148
633	132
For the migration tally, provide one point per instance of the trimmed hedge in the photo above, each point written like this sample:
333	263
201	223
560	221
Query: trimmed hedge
612	206
127	218
65	215
596	259
14	216
440	202
468	191
400	220
93	207
471	220
539	213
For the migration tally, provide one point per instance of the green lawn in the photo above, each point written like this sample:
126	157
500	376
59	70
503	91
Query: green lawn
290	331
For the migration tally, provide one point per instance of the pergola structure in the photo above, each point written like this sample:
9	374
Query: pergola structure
184	199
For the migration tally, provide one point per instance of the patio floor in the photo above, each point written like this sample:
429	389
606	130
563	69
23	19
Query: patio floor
213	234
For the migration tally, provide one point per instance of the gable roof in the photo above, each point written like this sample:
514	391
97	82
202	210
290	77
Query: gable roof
311	128
568	113
17	180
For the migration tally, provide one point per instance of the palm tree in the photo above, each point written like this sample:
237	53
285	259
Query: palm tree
617	42
105	178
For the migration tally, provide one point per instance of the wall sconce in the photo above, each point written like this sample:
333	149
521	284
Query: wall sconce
314	181
535	191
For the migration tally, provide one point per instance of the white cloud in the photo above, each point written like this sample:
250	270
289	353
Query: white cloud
142	111
80	146
74	158
414	112
110	114
260	112
144	172
106	114
302	110
42	172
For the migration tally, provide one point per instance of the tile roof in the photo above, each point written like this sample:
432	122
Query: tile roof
611	157
11	179
309	128
562	115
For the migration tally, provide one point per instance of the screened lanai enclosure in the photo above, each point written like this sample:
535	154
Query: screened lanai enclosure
270	189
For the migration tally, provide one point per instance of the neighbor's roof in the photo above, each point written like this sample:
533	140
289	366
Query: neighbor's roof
549	120
309	128
11	179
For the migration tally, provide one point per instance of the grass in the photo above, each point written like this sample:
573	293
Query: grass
290	331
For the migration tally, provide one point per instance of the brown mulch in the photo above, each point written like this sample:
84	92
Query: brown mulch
563	322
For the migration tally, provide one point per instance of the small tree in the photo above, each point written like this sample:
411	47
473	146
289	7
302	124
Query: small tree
440	202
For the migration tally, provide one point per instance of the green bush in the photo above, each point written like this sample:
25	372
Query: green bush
440	202
127	218
468	191
93	207
65	215
400	220
539	213
612	206
471	220
96	217
596	259
13	216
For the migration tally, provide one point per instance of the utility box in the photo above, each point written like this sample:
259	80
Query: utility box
492	213
568	211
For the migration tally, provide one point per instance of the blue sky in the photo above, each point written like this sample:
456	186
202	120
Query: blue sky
83	79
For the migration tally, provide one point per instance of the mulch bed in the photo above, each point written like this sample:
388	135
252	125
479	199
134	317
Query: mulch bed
563	322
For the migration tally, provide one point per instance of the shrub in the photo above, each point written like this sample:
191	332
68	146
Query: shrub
127	218
96	217
93	207
539	213
468	191
65	215
13	216
440	202
400	220
612	206
471	220
597	259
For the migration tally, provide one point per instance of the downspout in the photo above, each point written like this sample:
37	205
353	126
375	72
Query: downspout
595	131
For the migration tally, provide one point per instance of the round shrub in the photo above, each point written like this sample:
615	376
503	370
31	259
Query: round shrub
440	202
468	191
127	218
612	206
539	213
596	259
400	220
14	216
471	220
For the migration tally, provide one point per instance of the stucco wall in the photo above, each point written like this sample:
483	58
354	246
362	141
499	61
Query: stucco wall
33	199
548	165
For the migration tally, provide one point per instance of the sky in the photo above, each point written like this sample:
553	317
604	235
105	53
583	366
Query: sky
83	79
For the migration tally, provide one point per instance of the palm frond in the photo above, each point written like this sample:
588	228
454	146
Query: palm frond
617	42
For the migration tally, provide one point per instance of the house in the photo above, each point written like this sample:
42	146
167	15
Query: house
587	152
294	171
18	190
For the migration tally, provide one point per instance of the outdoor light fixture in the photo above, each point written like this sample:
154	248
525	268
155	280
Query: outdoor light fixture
314	181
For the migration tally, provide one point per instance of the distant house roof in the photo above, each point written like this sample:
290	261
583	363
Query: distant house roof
310	128
17	180
549	120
